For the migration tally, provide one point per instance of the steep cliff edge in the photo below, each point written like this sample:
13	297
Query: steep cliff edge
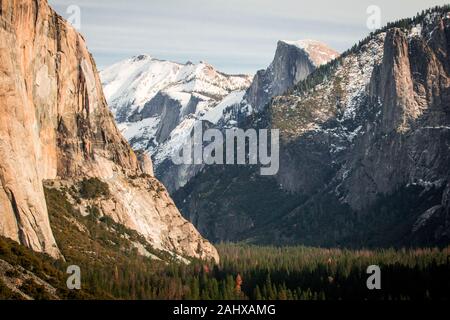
293	62
55	125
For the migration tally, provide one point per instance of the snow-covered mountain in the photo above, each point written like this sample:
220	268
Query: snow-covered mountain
156	102
131	84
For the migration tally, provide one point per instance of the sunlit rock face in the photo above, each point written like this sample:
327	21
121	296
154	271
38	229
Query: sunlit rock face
55	125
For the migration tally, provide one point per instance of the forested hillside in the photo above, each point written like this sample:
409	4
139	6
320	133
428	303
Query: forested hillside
246	272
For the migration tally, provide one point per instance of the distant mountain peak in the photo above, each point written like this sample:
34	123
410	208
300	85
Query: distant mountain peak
156	103
141	57
130	84
293	62
319	52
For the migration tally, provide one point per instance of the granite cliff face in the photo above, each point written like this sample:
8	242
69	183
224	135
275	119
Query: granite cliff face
55	125
293	62
364	152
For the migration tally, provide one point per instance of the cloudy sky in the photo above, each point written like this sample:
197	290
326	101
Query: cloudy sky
236	36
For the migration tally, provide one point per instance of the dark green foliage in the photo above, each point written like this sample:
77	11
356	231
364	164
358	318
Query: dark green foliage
324	221
316	274
93	188
32	289
40	265
390	219
22	256
254	198
110	265
268	273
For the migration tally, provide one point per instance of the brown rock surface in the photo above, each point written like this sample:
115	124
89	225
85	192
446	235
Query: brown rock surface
55	124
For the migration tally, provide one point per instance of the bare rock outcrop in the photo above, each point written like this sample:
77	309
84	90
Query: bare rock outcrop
293	62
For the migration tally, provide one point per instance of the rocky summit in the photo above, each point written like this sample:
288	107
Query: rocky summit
293	62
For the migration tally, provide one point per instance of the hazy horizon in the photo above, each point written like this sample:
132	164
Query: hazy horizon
234	36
